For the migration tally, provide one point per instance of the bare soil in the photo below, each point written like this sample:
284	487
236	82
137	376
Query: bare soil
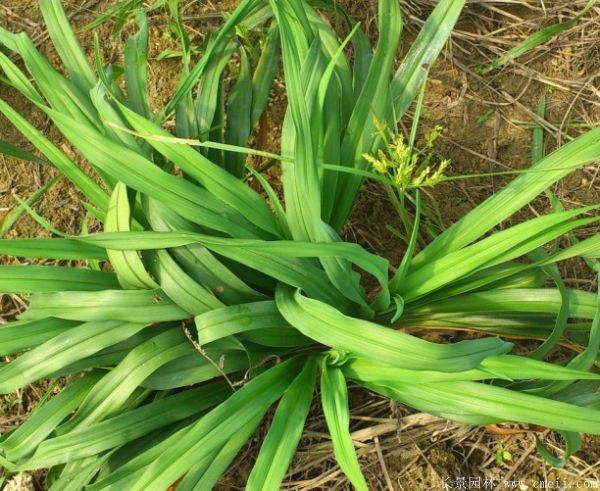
486	128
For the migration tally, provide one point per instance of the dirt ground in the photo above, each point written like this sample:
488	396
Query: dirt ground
486	123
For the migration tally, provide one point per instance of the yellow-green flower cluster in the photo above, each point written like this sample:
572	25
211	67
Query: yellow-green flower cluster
405	167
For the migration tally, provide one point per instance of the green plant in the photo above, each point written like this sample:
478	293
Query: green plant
221	302
502	455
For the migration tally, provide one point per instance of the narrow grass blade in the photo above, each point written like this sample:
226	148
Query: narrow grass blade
46	417
472	402
582	150
116	431
262	319
536	39
111	393
239	116
129	268
136	68
11	217
146	306
33	279
573	444
18	153
21	335
244	9
280	444
90	189
334	399
67	45
188	294
214	429
68	347
19	81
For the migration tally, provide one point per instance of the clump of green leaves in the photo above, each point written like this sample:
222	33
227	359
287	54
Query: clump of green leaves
204	303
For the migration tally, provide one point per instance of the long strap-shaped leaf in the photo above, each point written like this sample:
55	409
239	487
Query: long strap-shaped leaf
503	367
260	318
575	154
116	431
33	278
584	360
302	192
510	300
146	306
67	45
375	265
372	103
113	390
196	368
89	188
475	403
279	259
244	9
196	260
503	246
76	475
128	463
302	189
50	249
42	421
207	108
61	93
208	472
279	446
330	327
21	335
239	114
264	73
214	429
137	172
424	50
68	347
220	183
20	82
136	68
129	268
334	399
183	290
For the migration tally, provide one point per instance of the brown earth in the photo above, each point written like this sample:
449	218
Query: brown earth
486	128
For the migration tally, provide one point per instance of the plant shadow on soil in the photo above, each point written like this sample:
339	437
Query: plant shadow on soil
486	125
